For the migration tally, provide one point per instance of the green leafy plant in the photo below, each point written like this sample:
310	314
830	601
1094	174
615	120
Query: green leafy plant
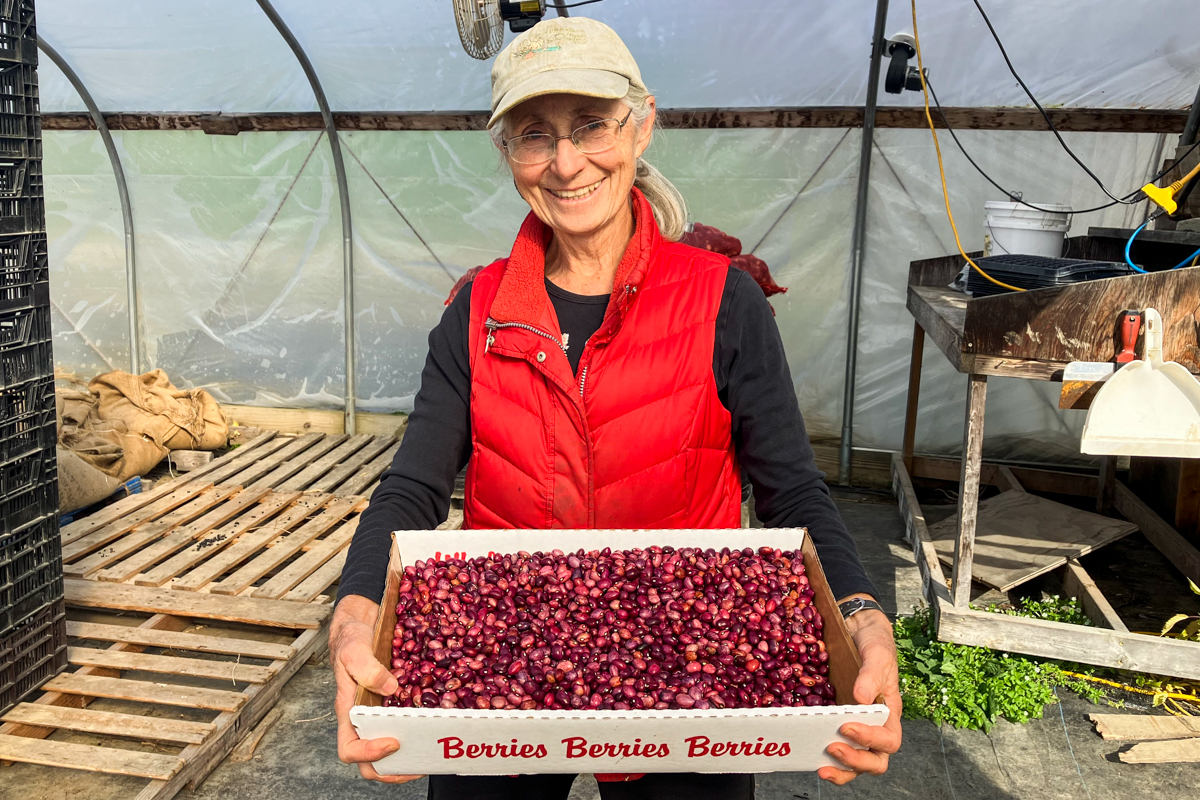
1191	631
1053	609
972	687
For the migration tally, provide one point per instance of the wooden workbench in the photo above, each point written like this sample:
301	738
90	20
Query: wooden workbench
1033	335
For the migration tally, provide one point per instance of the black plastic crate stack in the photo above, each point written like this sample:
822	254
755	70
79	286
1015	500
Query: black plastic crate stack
32	613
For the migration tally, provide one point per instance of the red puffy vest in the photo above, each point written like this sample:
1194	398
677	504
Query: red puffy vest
639	439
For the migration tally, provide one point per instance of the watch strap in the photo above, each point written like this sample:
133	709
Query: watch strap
857	604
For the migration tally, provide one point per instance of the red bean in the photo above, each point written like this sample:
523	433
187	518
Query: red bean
656	628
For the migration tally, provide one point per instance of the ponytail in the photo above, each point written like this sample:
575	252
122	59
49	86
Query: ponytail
670	209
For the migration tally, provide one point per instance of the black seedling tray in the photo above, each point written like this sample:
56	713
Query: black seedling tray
1038	272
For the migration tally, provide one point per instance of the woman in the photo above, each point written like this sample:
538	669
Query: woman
603	376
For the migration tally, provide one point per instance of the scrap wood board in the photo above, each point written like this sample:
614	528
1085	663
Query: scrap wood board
208	686
249	610
1020	536
1130	727
1173	751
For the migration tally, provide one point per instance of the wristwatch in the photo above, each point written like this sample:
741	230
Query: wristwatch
857	604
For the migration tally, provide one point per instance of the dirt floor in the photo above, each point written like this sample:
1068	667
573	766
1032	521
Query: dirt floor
1055	757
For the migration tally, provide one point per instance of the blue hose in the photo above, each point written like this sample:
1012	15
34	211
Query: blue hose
1136	268
1187	260
1129	244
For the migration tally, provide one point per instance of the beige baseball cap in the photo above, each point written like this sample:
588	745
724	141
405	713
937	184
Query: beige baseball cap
565	55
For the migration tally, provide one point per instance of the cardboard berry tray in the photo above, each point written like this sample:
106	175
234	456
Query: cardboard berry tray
506	742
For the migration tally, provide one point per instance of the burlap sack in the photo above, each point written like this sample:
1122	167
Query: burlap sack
106	445
79	483
177	419
124	424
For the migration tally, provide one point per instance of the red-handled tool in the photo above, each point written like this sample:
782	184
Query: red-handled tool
1131	323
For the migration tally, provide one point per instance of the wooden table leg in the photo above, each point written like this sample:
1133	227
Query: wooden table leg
1187	499
968	490
1106	485
914	393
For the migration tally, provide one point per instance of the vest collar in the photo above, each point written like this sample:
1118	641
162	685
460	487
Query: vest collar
521	296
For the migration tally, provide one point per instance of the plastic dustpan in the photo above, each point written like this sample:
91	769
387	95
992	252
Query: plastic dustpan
1147	408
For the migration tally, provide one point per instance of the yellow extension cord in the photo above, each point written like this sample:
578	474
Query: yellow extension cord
1165	695
941	168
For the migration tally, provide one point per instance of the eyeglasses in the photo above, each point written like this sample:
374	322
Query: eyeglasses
590	139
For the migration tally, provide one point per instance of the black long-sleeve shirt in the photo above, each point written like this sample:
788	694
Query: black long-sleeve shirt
753	382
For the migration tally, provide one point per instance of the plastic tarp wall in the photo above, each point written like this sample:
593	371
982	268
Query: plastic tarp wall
223	55
239	259
238	238
239	255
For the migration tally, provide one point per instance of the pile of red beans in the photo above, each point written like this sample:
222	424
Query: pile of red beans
660	628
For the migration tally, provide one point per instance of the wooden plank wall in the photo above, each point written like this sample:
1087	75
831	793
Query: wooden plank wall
313	420
1117	120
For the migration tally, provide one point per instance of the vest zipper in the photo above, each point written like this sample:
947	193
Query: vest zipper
492	325
583	372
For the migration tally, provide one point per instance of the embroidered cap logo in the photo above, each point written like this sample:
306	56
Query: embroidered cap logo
550	41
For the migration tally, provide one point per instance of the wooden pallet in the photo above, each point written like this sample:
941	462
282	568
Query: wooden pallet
272	519
253	539
181	679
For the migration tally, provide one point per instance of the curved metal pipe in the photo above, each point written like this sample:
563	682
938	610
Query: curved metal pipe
135	337
1190	130
1192	126
343	194
859	241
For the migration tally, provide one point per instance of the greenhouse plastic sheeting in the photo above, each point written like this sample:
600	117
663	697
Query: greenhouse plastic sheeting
239	259
240	267
224	55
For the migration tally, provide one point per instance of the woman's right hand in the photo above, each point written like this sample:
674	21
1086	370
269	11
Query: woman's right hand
353	659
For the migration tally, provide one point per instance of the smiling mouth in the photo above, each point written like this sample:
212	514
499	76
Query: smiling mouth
576	194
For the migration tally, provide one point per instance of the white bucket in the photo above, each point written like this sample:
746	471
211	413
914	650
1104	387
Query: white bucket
1017	228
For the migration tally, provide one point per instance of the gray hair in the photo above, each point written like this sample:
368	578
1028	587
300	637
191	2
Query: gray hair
670	209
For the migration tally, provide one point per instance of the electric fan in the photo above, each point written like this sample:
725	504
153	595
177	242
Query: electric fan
479	27
481	22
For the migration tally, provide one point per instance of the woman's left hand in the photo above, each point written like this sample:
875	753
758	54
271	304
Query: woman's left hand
878	681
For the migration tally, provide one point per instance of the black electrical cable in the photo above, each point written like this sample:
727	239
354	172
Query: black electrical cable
572	5
1049	122
1016	197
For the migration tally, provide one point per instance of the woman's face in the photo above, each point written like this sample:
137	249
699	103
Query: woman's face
577	194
